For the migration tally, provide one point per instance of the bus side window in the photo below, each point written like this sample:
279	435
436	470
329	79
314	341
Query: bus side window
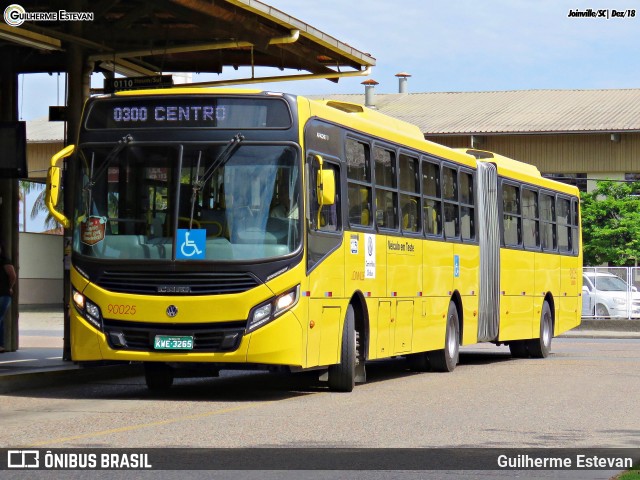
531	235
547	222
431	206
359	198
451	207
511	219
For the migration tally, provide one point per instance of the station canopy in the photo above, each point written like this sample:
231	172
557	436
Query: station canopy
135	37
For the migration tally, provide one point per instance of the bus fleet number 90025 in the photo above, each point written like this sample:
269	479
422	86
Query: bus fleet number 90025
120	309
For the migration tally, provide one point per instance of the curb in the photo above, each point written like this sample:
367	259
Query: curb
74	374
610	325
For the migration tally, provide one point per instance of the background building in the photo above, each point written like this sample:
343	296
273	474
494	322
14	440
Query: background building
577	135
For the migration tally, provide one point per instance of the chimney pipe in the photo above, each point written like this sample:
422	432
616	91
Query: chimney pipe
402	81
369	94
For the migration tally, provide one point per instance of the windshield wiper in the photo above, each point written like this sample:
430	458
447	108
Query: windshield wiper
94	175
229	150
123	142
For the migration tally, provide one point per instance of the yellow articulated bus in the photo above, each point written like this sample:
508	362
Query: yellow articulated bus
218	229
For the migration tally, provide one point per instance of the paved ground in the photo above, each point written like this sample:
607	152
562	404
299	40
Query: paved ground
38	361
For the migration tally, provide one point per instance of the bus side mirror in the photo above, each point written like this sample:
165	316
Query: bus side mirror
54	180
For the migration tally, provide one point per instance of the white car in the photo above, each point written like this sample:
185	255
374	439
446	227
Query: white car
605	295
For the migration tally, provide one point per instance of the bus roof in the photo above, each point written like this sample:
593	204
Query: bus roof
508	167
186	90
363	119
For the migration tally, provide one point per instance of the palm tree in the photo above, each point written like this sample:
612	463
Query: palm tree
39	205
25	188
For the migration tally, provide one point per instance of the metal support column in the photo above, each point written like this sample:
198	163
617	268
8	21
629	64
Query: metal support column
79	84
10	201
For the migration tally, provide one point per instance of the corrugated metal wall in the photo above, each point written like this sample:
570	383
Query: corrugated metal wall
39	158
561	153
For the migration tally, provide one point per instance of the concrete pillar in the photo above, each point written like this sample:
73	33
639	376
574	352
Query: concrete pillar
10	205
79	82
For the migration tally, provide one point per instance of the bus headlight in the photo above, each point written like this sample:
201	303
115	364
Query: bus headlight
89	310
272	309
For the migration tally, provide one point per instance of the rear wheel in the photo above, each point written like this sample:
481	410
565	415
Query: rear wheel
342	377
540	347
158	376
445	360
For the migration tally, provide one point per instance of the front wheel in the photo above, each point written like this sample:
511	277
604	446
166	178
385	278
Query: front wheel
601	311
445	360
342	377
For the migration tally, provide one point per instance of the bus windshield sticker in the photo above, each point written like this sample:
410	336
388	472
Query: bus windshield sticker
191	244
92	230
370	256
354	244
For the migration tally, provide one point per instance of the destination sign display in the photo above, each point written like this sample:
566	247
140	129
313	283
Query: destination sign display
169	111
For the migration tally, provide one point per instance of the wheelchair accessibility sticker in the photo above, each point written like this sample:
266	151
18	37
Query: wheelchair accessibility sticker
191	244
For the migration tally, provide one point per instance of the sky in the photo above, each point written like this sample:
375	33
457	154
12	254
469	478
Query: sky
447	45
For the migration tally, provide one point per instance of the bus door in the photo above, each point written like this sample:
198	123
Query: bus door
325	264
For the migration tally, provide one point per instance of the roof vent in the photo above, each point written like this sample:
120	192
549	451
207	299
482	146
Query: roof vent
369	94
402	81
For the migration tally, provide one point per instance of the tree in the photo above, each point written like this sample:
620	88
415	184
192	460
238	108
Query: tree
611	224
27	187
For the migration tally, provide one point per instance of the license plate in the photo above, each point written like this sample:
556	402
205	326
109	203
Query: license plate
165	342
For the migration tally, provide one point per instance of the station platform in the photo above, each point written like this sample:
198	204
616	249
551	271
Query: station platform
38	361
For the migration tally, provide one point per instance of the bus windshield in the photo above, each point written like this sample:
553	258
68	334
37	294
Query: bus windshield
133	204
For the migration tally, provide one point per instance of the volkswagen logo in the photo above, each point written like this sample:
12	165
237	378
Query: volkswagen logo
172	311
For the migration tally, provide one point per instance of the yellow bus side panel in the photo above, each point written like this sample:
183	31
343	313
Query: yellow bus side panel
383	327
403	329
370	280
324	338
404	266
570	304
466	283
547	276
326	308
438	269
517	290
437	288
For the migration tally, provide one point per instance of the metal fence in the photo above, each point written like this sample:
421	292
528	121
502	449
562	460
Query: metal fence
611	292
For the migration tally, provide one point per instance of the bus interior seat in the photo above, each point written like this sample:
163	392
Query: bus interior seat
215	222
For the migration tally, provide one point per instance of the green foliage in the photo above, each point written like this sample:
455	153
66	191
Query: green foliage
611	224
633	474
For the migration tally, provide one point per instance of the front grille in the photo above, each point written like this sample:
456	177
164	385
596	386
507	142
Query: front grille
210	337
177	283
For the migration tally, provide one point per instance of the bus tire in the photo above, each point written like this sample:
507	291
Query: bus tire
540	347
158	376
343	375
445	360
